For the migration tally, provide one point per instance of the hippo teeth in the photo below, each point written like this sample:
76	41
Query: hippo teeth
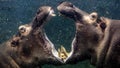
60	14
62	53
52	13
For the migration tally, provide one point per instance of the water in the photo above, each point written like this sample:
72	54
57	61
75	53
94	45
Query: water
60	31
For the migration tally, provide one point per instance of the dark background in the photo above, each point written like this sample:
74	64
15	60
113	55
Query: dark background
60	31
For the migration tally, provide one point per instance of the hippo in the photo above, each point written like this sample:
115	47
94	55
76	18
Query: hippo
96	39
30	46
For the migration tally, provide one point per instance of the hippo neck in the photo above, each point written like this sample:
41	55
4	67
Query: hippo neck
13	55
10	52
104	45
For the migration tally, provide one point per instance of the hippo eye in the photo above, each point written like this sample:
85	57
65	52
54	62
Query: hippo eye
22	29
93	15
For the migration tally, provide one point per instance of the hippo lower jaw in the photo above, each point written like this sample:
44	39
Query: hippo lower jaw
61	55
53	50
52	13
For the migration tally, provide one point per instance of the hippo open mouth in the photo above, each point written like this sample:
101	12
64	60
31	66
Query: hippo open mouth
33	44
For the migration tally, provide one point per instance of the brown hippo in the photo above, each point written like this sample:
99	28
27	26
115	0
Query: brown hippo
30	47
97	38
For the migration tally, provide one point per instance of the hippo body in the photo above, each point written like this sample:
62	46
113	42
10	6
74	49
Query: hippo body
96	39
30	47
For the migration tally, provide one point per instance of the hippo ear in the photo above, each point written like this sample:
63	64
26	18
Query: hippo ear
93	16
22	29
102	23
15	41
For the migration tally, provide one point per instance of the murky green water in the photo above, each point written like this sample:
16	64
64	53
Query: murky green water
14	13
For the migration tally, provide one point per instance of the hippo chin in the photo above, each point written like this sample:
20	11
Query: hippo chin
30	47
97	39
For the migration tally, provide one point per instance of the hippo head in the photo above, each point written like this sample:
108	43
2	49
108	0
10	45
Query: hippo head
31	42
89	32
69	10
